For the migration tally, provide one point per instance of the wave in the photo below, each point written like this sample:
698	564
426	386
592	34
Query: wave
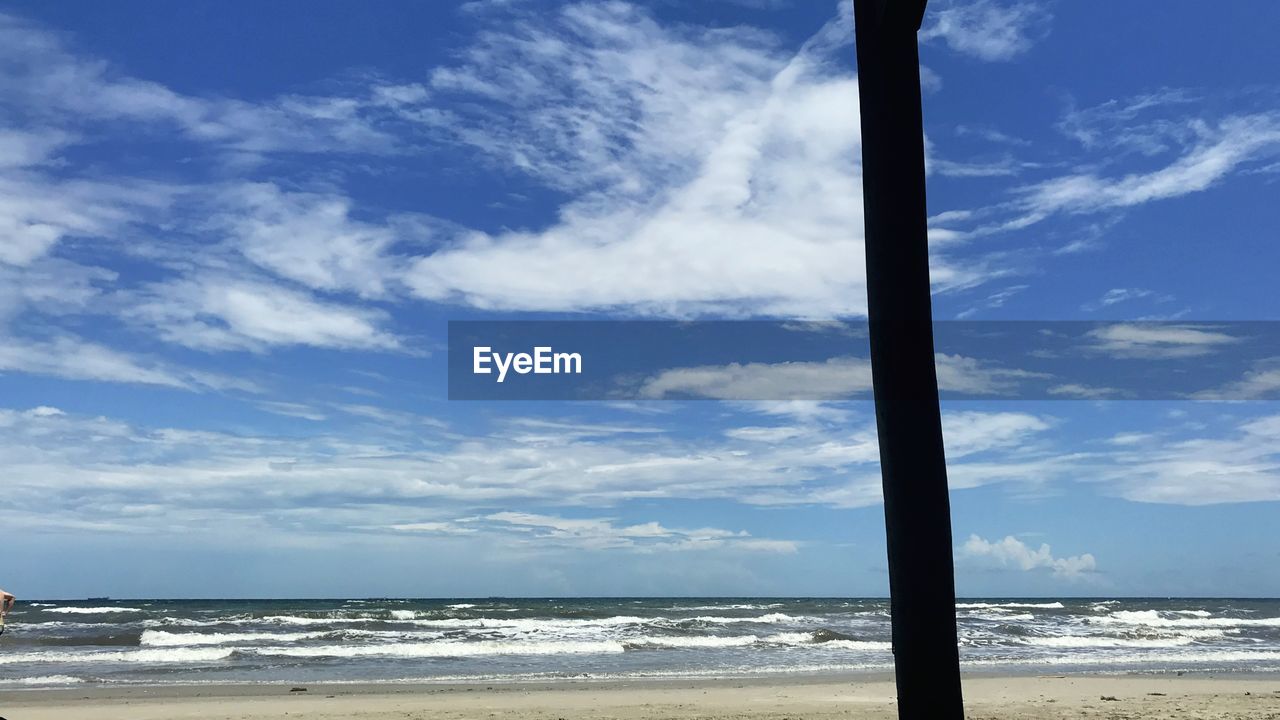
275	641
1195	657
91	610
827	639
876	645
446	649
825	635
994	606
160	638
410	617
333	618
149	655
302	620
43	680
192	622
482	622
725	607
1153	618
531	624
1095	641
691	642
1005	617
770	618
560	647
69	624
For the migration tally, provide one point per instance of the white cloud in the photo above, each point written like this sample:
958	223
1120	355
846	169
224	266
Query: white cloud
1011	436
1130	438
603	533
1003	167
19	148
1116	296
37	212
67	467
387	416
46	211
708	171
72	358
62	466
831	379
990	134
1124	124
1241	467
1205	151
1217	152
972	432
1262	382
1151	341
827	380
41	72
986	29
212	301
228	313
310	238
435	528
1030	474
764	434
52	287
662	137
538	431
1084	392
994	301
290	409
970	376
1012	552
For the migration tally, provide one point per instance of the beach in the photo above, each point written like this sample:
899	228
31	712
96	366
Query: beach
1255	697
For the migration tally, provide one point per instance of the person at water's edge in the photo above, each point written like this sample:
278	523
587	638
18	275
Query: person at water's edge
6	604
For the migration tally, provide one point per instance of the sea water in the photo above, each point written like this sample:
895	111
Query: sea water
386	640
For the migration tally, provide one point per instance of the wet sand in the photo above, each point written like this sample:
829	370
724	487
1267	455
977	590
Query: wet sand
987	698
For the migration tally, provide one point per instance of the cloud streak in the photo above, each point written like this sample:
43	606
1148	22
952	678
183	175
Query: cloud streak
376	476
986	29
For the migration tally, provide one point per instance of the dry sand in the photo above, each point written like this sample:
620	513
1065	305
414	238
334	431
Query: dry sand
987	698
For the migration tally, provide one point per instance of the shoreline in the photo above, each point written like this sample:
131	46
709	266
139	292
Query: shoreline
1018	697
608	682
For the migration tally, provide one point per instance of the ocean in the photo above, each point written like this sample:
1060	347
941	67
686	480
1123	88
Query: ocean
61	643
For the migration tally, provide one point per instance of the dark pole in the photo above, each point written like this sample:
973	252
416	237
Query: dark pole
916	507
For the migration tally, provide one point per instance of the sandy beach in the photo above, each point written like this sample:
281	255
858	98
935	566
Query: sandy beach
989	698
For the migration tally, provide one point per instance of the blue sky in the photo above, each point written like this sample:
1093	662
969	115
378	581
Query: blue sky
231	239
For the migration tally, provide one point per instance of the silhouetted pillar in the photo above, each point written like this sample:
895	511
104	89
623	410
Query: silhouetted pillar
908	419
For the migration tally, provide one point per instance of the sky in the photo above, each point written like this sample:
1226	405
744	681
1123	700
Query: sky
231	240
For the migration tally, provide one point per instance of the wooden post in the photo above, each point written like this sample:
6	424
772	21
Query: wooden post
908	418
